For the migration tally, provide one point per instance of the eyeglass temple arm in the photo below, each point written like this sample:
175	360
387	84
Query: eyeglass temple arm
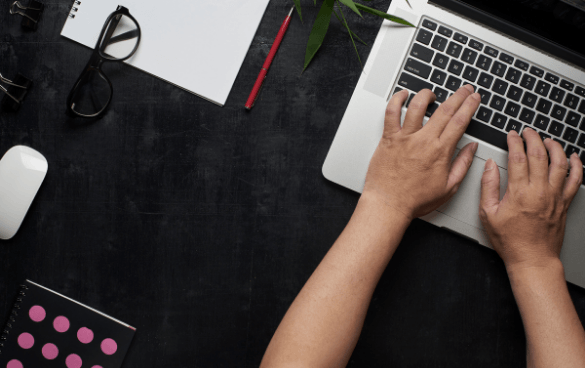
124	37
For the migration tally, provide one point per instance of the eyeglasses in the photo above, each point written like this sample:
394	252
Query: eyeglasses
118	41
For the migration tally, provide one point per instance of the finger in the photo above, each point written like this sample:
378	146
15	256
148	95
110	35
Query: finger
394	113
573	182
416	111
459	122
461	165
557	171
490	187
517	162
448	109
537	157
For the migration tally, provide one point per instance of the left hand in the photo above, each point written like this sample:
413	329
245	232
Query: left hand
413	169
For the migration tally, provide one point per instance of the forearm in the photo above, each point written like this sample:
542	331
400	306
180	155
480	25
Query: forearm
554	334
323	324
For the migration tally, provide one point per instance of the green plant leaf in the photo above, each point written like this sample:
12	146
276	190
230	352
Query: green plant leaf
352	32
383	15
350	4
298	6
319	30
350	36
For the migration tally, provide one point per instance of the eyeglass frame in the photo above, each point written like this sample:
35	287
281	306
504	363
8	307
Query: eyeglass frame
96	61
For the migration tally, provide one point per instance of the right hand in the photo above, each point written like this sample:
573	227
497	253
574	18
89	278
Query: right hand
527	226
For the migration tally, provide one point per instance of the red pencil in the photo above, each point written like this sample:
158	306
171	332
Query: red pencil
266	66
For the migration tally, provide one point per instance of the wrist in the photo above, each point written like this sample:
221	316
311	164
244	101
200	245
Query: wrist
547	268
383	209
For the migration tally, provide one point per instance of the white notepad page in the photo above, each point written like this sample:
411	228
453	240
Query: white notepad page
198	45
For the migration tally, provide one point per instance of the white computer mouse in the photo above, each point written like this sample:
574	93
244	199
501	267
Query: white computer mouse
22	171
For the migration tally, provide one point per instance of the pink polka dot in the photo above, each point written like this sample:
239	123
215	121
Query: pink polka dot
26	340
85	335
14	363
61	324
109	346
37	313
97	366
50	351
73	361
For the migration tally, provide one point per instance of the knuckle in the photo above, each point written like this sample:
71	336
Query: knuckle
538	153
447	109
517	157
459	120
393	109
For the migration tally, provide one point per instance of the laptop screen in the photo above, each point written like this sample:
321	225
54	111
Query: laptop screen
555	20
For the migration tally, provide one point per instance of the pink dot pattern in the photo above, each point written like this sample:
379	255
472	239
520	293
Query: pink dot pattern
50	351
85	335
37	313
73	361
26	340
61	324
14	363
97	366
109	346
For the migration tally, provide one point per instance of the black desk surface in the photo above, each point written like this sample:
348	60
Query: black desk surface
199	224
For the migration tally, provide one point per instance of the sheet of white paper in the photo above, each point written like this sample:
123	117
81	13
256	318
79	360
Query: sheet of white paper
198	45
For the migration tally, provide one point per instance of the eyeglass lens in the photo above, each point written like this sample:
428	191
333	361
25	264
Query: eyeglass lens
92	95
120	38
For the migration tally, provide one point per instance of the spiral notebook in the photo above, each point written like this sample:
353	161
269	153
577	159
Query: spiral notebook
46	329
194	44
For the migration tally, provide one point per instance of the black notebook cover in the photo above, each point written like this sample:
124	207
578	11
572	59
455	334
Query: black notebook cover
46	329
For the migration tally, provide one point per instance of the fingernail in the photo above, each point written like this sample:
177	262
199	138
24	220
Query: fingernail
469	88
489	165
474	147
512	132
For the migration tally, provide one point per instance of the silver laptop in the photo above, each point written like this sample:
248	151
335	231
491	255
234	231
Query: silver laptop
528	74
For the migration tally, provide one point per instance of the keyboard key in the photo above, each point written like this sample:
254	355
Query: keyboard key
528	81
571	149
418	68
570	135
556	128
484	114
413	83
514	125
527	115
557	94
491	51
445	31
571	101
512	109
499	120
536	71
573	118
470	73
529	99
439	43
499	69
438	77
469	56
582	107
460	38
422	53
513	75
580	91
543	136
582	157
453	83
567	85
498	103
558	112
476	45
410	97
542	88
485	80
454	49
543	106
582	126
424	36
563	144
581	141
441	94
500	86
429	24
542	122
514	93
506	58
431	109
552	78
396	90
455	67
521	64
484	62
441	61
485	96
488	134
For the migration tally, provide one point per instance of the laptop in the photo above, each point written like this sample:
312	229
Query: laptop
525	58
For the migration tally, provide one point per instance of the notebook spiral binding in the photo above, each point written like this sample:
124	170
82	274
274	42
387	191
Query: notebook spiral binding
74	8
13	313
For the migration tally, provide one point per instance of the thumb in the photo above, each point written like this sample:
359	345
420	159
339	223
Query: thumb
490	186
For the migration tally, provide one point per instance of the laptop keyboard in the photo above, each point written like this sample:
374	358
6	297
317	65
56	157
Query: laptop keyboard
515	93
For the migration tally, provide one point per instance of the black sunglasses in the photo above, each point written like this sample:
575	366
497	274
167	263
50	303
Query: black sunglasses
118	41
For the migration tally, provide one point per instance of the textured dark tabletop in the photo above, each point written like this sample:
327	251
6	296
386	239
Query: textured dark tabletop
199	224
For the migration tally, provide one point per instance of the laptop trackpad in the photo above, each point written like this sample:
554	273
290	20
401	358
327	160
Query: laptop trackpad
464	206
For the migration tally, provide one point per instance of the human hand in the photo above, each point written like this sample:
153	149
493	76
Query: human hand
527	226
413	169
